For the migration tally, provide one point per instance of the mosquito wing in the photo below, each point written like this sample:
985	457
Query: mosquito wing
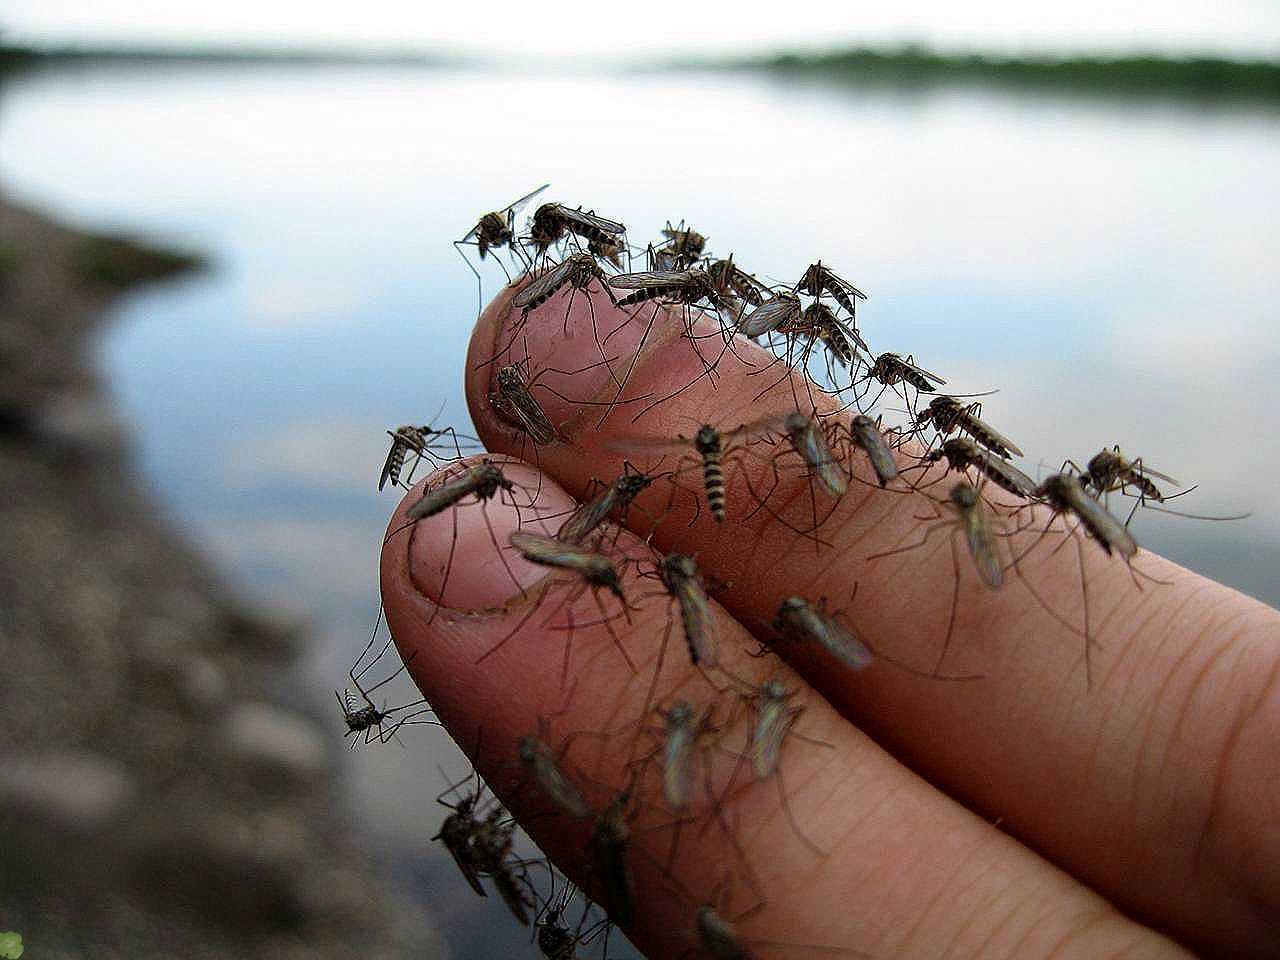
519	204
544	285
1109	531
868	437
647	279
849	331
516	404
1144	471
435	500
773	720
1007	475
583	218
551	552
811	443
770	315
587	517
987	435
982	545
699	625
933	377
390	464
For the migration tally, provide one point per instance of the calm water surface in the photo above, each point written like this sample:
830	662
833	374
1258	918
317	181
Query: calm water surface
1112	267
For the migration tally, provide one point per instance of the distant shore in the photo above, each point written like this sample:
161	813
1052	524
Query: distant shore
17	57
1138	74
1203	77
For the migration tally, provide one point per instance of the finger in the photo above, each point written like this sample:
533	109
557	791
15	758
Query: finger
1155	784
907	872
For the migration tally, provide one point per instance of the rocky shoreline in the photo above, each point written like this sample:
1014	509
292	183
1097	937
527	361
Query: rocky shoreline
156	799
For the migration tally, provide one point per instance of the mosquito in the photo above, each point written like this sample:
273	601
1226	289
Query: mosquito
783	309
819	279
609	843
577	271
682	248
1109	471
947	414
817	323
491	849
608	250
416	440
962	453
514	403
688	287
685	288
972	519
732	281
494	230
1064	494
838	337
866	435
810	442
556	941
799	621
458	832
595	570
365	717
683	583
890	369
484	480
774	721
803	623
552	221
543	763
711	446
617	496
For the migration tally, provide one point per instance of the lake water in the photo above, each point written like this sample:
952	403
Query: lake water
1111	266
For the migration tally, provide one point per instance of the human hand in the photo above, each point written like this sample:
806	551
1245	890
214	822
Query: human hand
1142	806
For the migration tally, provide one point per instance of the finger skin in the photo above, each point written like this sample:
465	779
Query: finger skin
1156	783
909	872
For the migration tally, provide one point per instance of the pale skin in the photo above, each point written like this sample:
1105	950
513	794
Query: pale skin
1028	814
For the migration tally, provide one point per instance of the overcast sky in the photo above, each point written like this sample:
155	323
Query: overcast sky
601	28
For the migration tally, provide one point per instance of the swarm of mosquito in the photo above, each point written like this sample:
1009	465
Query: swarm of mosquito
699	756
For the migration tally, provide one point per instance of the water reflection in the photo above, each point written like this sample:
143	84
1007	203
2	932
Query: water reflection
1112	268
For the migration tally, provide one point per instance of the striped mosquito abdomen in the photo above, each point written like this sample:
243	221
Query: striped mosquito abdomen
358	715
650	293
985	435
709	445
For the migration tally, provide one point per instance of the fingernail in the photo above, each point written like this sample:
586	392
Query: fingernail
460	558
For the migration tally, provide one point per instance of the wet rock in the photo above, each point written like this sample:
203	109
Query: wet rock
274	743
243	872
193	683
79	426
73	790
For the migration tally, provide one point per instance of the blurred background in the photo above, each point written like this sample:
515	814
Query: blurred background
1078	203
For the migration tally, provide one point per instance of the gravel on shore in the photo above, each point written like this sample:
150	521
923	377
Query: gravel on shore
156	797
